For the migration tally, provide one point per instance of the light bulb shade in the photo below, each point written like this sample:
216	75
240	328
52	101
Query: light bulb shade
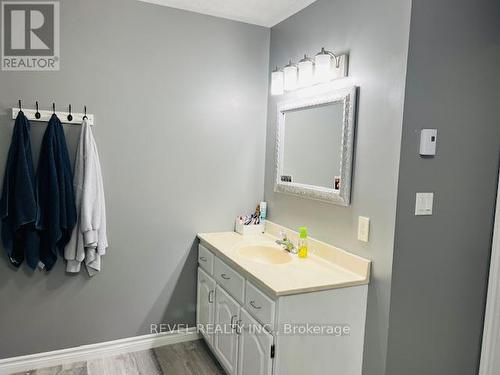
277	82
290	75
306	73
323	71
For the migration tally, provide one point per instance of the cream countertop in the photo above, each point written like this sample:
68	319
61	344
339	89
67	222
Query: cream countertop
326	267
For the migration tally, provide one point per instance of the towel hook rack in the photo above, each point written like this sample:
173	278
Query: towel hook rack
37	113
66	116
70	116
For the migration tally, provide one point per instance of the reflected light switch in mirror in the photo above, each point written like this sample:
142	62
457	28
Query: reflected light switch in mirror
363	228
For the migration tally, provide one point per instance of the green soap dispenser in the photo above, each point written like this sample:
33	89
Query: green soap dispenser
302	245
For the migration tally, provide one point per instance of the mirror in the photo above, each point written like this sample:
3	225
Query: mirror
315	146
318	129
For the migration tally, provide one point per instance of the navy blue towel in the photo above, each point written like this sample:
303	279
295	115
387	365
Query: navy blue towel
56	199
18	208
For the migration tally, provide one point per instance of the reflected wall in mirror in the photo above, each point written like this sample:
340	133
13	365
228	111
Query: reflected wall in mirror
312	144
315	145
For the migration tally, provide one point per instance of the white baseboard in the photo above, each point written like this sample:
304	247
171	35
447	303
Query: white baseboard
93	351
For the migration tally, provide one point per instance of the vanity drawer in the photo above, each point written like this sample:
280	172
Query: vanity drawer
229	279
259	305
205	259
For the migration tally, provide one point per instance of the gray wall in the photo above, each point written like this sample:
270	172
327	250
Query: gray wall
376	36
180	103
441	261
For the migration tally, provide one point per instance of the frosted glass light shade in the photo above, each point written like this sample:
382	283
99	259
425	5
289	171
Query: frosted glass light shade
306	72
277	82
290	73
323	71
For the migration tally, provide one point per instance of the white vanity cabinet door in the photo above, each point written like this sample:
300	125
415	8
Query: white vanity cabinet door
205	305
227	314
254	353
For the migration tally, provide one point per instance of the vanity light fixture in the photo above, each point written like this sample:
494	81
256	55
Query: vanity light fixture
290	75
306	72
324	65
277	82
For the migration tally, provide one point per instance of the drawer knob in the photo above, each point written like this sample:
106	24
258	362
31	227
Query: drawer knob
252	303
203	259
224	276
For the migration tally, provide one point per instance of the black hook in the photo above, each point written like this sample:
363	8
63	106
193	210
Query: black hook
20	107
37	113
54	108
85	113
70	116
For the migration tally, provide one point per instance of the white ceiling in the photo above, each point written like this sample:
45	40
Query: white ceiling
258	12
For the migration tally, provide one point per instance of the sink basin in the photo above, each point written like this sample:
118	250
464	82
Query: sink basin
264	254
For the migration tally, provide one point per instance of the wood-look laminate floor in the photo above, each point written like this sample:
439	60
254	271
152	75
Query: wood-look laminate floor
188	358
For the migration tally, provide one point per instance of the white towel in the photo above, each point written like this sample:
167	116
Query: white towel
88	241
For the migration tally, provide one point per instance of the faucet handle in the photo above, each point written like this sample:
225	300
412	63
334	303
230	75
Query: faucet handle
283	235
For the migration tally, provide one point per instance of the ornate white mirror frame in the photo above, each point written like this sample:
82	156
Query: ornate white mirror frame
342	196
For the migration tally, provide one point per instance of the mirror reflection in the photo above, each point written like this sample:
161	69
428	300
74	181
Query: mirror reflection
312	145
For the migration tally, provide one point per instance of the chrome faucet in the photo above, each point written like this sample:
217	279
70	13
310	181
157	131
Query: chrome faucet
286	243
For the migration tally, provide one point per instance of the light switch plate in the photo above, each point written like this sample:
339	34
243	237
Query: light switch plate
363	229
423	204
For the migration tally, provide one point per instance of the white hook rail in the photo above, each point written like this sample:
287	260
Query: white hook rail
46	115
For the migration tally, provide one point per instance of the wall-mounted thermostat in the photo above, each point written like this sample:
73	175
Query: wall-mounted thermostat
428	139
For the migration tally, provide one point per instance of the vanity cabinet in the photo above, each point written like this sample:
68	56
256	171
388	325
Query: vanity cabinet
254	348
229	279
260	306
227	315
241	343
249	323
205	301
206	260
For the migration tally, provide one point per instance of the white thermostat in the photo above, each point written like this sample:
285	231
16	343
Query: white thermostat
428	139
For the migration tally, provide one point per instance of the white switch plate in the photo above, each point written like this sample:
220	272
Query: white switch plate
424	203
363	228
